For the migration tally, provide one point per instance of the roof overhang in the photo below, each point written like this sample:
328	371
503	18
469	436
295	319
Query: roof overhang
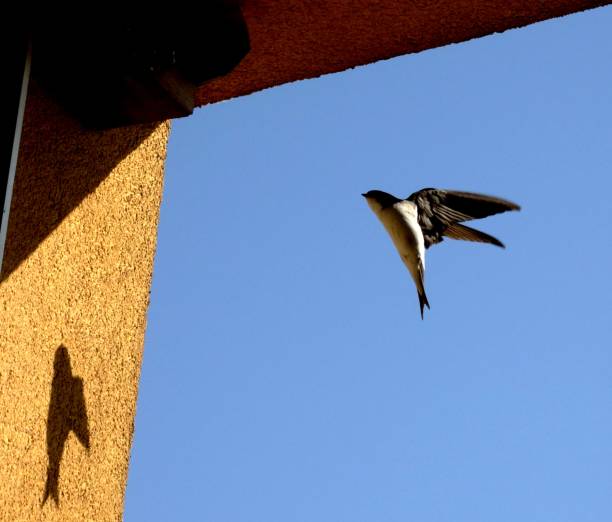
111	69
296	39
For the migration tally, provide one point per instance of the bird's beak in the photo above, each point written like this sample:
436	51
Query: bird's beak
364	195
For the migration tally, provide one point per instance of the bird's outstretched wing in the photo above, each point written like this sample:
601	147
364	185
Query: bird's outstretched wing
441	211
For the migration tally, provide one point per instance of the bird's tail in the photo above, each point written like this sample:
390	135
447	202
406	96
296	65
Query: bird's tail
419	279
458	231
423	301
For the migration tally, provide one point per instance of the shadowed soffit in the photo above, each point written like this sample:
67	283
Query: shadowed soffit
111	70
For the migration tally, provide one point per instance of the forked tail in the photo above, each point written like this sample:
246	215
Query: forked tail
420	284
423	301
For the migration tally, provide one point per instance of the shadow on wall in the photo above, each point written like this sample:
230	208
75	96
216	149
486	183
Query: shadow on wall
59	164
67	412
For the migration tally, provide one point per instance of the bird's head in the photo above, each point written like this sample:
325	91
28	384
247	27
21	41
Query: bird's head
378	200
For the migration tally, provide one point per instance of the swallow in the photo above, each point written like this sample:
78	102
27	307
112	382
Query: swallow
427	216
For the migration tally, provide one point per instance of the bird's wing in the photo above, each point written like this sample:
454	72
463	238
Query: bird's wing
440	210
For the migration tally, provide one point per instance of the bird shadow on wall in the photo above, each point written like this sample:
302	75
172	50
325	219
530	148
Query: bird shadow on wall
59	164
67	412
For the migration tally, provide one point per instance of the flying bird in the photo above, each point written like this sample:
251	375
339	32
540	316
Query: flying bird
426	217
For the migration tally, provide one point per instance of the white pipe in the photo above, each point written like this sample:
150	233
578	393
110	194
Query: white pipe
15	153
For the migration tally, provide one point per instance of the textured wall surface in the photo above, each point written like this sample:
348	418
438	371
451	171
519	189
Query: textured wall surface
73	301
297	39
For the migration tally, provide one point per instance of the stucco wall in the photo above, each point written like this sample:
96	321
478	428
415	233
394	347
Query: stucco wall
73	299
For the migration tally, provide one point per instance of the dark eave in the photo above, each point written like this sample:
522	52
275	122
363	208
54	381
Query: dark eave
111	69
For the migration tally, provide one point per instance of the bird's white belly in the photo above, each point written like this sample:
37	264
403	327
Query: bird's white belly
406	234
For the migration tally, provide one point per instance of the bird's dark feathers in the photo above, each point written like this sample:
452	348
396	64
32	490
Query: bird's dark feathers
440	211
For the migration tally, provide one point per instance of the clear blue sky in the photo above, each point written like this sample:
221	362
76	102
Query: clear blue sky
287	374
